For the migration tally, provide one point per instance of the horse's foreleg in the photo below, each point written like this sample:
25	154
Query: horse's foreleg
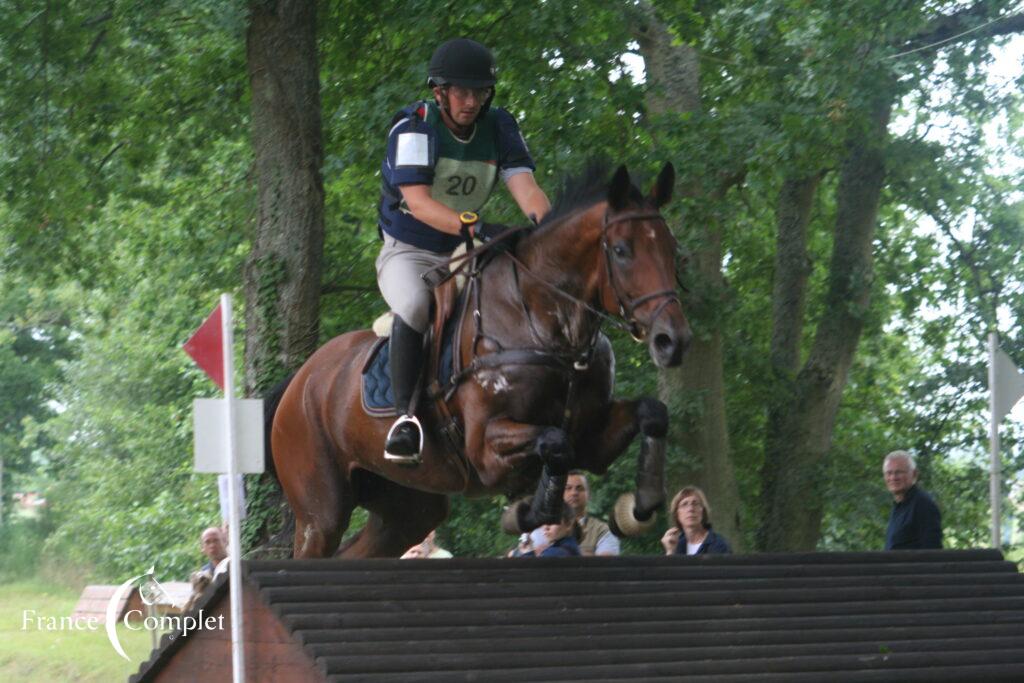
634	513
322	513
652	416
554	450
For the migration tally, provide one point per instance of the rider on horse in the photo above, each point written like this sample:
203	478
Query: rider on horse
443	161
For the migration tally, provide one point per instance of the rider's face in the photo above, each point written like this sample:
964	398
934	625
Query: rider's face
464	104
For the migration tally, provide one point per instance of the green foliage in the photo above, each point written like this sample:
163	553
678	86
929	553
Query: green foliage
21	547
33	342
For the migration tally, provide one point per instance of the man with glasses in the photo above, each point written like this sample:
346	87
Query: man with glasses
444	158
915	521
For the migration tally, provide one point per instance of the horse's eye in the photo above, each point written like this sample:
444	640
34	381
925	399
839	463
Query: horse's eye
620	250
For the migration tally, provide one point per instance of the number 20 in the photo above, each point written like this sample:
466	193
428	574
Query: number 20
461	185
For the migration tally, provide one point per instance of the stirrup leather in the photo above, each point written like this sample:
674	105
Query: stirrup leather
413	459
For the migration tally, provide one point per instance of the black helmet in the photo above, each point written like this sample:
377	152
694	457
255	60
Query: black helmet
462	62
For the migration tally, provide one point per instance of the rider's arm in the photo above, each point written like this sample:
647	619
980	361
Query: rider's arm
516	167
528	195
428	210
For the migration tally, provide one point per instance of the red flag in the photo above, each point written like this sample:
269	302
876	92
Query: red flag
206	347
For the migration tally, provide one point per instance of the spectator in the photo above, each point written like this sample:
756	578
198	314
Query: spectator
432	550
427	548
213	544
915	521
215	548
597	538
559	540
523	547
691	532
414	553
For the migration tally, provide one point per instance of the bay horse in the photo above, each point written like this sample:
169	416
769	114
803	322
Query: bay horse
535	396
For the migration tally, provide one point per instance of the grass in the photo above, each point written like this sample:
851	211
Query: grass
30	654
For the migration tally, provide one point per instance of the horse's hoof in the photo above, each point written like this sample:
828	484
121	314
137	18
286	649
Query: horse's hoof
510	518
625	517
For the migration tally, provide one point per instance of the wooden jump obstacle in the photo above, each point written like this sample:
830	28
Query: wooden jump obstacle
895	616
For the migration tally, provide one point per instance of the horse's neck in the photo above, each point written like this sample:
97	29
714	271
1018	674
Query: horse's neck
563	256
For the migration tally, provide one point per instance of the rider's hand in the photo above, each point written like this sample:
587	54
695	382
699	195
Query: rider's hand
670	541
488	231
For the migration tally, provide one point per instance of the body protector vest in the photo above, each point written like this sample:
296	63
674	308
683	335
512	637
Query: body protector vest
461	173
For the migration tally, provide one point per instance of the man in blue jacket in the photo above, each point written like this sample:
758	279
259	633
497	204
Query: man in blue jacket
915	521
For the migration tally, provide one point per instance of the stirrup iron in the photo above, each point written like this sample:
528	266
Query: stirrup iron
413	459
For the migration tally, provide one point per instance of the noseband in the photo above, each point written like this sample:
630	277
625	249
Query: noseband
627	306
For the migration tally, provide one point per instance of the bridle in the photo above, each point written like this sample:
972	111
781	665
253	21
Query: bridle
627	306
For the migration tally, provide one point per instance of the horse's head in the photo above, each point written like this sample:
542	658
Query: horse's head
639	281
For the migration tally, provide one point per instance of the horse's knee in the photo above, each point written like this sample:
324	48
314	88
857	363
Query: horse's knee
553	447
652	418
317	538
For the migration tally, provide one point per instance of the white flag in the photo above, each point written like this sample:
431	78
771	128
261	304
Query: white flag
1007	384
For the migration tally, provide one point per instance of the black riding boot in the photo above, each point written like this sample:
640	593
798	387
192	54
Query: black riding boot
406	360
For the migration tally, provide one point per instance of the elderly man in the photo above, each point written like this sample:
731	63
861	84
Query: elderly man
915	521
214	547
597	537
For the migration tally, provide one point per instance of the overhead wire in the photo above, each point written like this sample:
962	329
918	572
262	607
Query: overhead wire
958	35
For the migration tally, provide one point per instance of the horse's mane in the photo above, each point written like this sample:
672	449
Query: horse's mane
584	189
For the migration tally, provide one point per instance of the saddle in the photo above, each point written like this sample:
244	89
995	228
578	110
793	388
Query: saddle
442	359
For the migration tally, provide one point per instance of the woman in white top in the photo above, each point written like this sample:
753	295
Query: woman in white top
691	532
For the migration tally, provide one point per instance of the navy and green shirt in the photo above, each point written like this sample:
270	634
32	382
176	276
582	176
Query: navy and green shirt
461	173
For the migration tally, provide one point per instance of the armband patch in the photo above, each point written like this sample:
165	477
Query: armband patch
413	150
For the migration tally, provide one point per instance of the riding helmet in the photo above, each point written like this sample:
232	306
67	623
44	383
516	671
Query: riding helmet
462	62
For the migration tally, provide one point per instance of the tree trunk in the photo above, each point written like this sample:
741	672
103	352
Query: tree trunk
694	392
282	275
803	413
283	271
792	268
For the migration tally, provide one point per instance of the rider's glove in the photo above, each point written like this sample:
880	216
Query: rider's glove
488	231
473	226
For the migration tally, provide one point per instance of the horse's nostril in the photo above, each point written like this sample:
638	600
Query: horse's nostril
663	342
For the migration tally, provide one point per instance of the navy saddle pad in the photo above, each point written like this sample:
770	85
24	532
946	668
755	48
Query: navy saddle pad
378	399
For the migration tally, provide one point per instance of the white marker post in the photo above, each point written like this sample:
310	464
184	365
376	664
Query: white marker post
1006	387
234	519
228	440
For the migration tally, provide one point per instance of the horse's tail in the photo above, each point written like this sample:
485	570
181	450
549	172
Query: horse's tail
270	403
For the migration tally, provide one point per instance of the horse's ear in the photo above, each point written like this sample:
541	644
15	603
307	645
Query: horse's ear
661	193
618	189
